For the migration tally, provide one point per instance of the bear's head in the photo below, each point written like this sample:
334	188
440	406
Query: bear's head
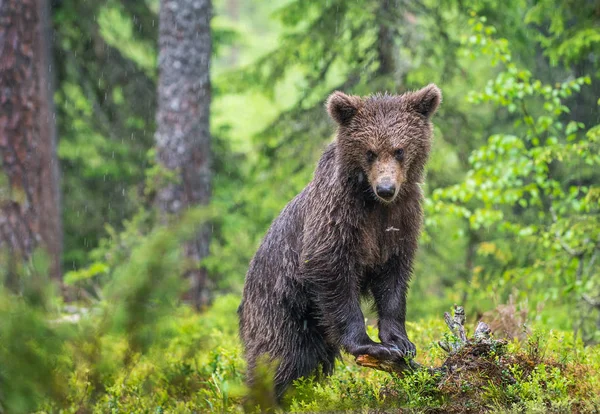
384	139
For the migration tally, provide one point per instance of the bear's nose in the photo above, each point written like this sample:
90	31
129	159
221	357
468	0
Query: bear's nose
386	190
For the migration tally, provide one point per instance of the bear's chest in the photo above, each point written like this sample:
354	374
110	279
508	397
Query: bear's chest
381	239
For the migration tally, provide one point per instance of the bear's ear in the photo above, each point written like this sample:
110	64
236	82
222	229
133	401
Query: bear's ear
342	107
425	101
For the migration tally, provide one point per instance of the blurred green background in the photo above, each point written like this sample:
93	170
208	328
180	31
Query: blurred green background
512	188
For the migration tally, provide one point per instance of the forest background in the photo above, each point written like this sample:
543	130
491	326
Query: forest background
130	179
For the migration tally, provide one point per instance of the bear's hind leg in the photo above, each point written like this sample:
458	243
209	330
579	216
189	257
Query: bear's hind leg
311	356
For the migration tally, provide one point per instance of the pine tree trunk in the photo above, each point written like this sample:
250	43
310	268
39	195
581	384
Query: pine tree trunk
29	190
183	135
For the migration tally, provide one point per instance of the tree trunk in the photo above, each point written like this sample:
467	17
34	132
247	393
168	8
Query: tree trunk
29	190
391	15
386	49
183	135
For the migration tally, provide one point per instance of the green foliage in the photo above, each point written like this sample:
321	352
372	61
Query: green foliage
105	99
113	251
117	29
43	355
533	186
573	31
148	285
30	346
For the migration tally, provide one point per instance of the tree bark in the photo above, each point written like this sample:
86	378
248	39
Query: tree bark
183	134
29	190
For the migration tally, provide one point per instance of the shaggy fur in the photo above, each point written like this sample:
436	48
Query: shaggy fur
338	240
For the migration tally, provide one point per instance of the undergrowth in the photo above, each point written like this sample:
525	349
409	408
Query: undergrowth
198	367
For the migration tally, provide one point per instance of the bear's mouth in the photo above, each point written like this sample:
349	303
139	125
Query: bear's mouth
386	200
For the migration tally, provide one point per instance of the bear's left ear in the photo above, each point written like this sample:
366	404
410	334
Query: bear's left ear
342	107
425	101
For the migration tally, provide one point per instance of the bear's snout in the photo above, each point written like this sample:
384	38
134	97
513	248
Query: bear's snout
386	189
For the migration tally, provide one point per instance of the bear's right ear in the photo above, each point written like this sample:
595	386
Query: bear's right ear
342	107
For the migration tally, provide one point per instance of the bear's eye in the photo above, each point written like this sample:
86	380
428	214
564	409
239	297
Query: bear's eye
371	156
399	154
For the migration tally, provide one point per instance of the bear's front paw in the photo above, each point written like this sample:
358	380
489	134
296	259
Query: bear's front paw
378	351
400	342
403	345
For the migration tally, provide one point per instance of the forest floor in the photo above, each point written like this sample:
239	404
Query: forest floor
198	367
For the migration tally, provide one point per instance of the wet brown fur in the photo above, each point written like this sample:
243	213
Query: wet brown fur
338	240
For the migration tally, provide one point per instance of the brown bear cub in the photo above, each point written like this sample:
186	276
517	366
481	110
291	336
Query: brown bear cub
352	231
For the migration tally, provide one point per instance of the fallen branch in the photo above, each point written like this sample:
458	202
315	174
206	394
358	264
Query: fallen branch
397	367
